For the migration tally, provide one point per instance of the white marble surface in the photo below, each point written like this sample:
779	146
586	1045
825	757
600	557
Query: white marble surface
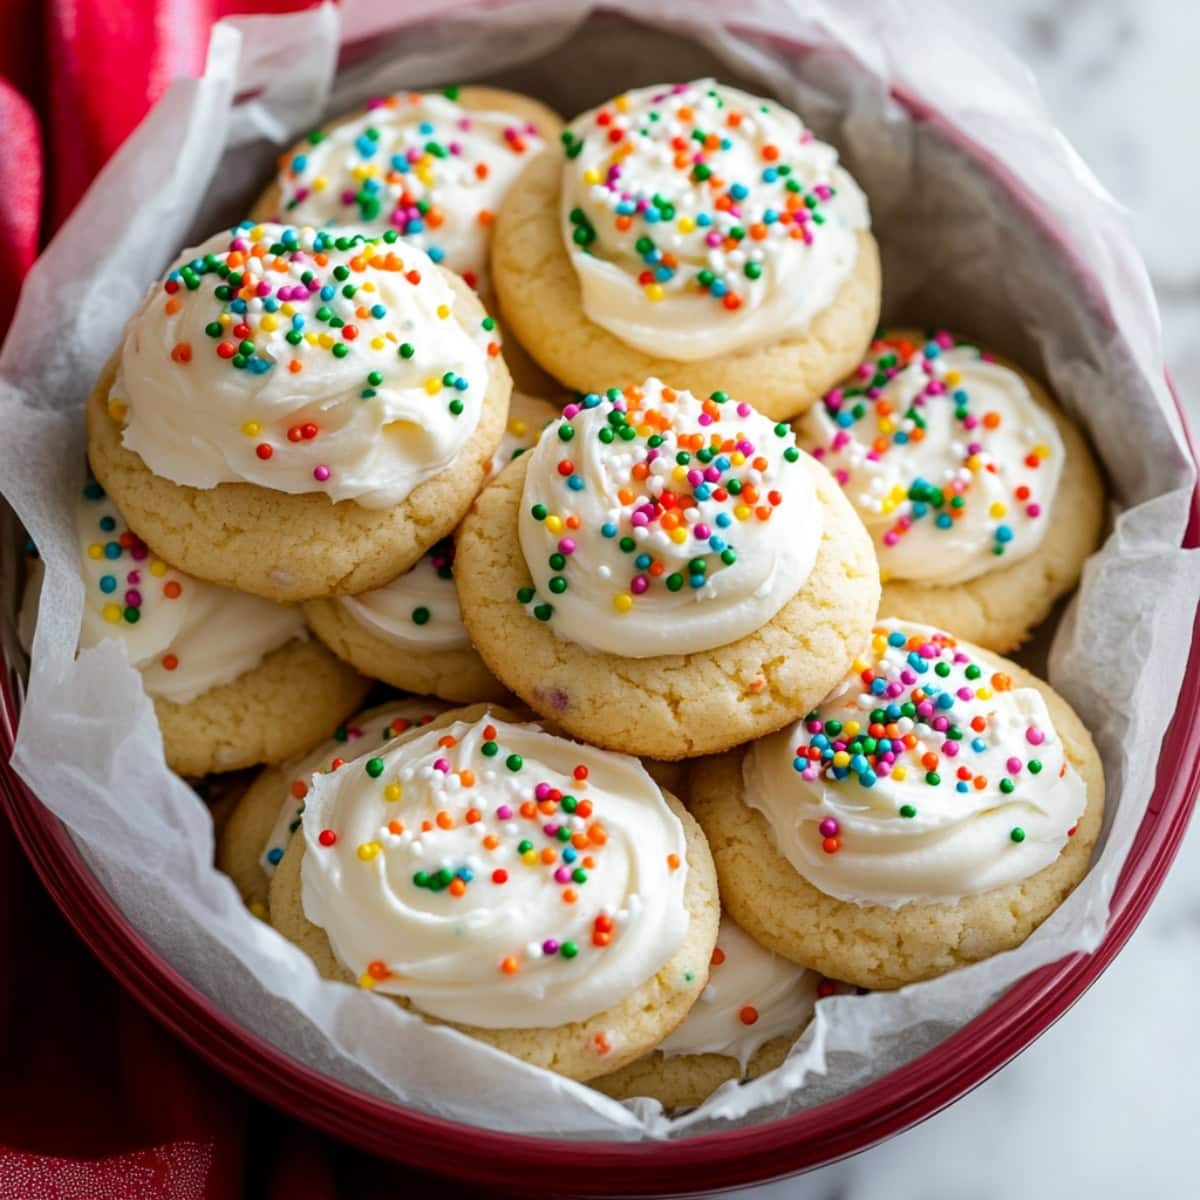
1103	1106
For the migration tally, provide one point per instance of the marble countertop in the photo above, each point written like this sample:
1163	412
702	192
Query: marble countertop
1102	1106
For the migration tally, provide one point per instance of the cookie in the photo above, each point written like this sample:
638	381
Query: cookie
253	839
665	576
932	812
233	678
694	233
981	496
754	1008
308	430
409	633
433	167
590	895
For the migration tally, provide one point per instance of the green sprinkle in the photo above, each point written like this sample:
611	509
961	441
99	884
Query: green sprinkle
420	615
514	762
374	767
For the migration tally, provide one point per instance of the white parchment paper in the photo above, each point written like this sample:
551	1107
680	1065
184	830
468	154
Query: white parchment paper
989	224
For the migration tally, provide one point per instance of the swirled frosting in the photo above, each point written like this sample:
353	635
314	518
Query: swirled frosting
701	220
420	609
496	875
185	636
369	731
752	996
926	776
651	521
416	163
944	453
302	361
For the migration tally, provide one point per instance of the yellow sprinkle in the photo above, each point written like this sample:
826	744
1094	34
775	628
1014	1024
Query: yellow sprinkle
258	909
393	791
287	308
325	340
590	176
851	728
443	311
433	385
887	506
645	430
884	574
361	172
368	850
365	980
367	285
311	338
251	428
269	322
877	646
425	176
841	759
886	425
973	462
899	774
621	104
622	602
737	458
377	343
686	224
984	693
654	292
679	473
158	568
554	524
742	512
517	427
368	251
952	378
95	550
319	183
530	858
117	410
226	319
112	613
256	232
998	509
678	536
1042	450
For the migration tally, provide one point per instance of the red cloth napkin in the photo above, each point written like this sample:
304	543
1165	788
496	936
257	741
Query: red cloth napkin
97	1102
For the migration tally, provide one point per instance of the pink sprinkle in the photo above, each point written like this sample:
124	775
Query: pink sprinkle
441	765
562	875
1034	736
504	812
1014	766
134	578
1033	510
570	411
321	473
743	409
701	532
542	791
639	584
550	829
133	597
705	419
829	827
566	545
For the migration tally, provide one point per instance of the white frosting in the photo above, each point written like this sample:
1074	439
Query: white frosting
510	936
752	996
952	464
713	223
367	732
420	164
333	367
419	609
665	549
870	831
527	417
185	636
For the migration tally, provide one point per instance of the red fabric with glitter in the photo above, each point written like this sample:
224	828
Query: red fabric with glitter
96	1100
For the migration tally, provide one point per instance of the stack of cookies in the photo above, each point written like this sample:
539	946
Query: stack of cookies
587	439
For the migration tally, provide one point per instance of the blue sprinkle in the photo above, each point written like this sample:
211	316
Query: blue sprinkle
896	638
108	583
920	508
718	287
570	854
328	292
365	146
979	745
932	350
900	438
945	700
1004	533
642	561
858	764
466	874
608	530
575	483
702	492
297	322
112	550
770	216
591	400
415	226
868	778
399	163
460	384
270	304
274	855
739	191
844	419
697	581
108	524
960	396
716	544
961	786
662	274
800	764
436	253
820	741
770	175
722	463
425	127
878	687
377	311
724	520
238	306
703	219
944	521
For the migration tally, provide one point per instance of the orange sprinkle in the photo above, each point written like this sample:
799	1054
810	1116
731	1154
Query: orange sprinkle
601	1042
295	366
447	741
549	855
172	589
579	840
597	834
486	217
491	842
172	306
528	810
718	956
378	970
445	820
396	827
457	887
569	896
1001	682
467	778
748	1014
489	732
601	939
426	826
510	966
181	353
673	861
169	662
473	815
299	789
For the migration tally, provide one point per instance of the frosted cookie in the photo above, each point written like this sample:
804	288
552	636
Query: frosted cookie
296	414
982	498
696	233
754	1008
540	895
409	633
934	810
664	575
253	840
432	167
234	679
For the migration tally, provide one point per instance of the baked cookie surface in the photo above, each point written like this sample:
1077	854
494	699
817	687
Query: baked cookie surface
600	296
899	936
